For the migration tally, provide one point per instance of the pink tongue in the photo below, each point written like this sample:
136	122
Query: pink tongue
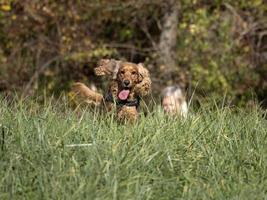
123	95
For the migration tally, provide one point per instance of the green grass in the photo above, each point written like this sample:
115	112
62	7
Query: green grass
217	153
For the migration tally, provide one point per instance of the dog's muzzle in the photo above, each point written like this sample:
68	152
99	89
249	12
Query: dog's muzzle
126	83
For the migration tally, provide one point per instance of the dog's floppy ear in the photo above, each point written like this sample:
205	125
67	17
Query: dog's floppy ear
140	66
116	70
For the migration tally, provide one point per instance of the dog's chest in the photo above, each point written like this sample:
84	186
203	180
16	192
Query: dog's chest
127	113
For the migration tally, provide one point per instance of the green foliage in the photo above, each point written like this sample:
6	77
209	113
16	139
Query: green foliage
217	63
214	154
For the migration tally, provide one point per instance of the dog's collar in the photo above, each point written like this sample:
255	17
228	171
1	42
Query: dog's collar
120	103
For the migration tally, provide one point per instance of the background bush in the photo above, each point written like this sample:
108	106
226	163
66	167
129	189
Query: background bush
221	45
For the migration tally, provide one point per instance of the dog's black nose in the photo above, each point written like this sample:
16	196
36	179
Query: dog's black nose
126	82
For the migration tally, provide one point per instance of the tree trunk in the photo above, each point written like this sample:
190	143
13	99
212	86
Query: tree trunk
168	37
167	45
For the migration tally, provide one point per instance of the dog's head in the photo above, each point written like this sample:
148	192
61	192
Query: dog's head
128	76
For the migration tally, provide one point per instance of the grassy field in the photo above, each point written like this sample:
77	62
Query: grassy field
217	153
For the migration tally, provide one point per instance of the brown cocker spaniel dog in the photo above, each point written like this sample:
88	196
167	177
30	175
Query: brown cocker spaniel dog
129	83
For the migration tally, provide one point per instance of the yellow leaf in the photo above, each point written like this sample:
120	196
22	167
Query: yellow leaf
257	3
5	7
14	17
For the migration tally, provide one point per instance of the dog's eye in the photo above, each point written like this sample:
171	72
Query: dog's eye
122	72
133	73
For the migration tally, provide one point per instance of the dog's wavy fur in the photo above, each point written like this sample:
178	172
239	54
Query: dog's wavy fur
139	86
110	67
